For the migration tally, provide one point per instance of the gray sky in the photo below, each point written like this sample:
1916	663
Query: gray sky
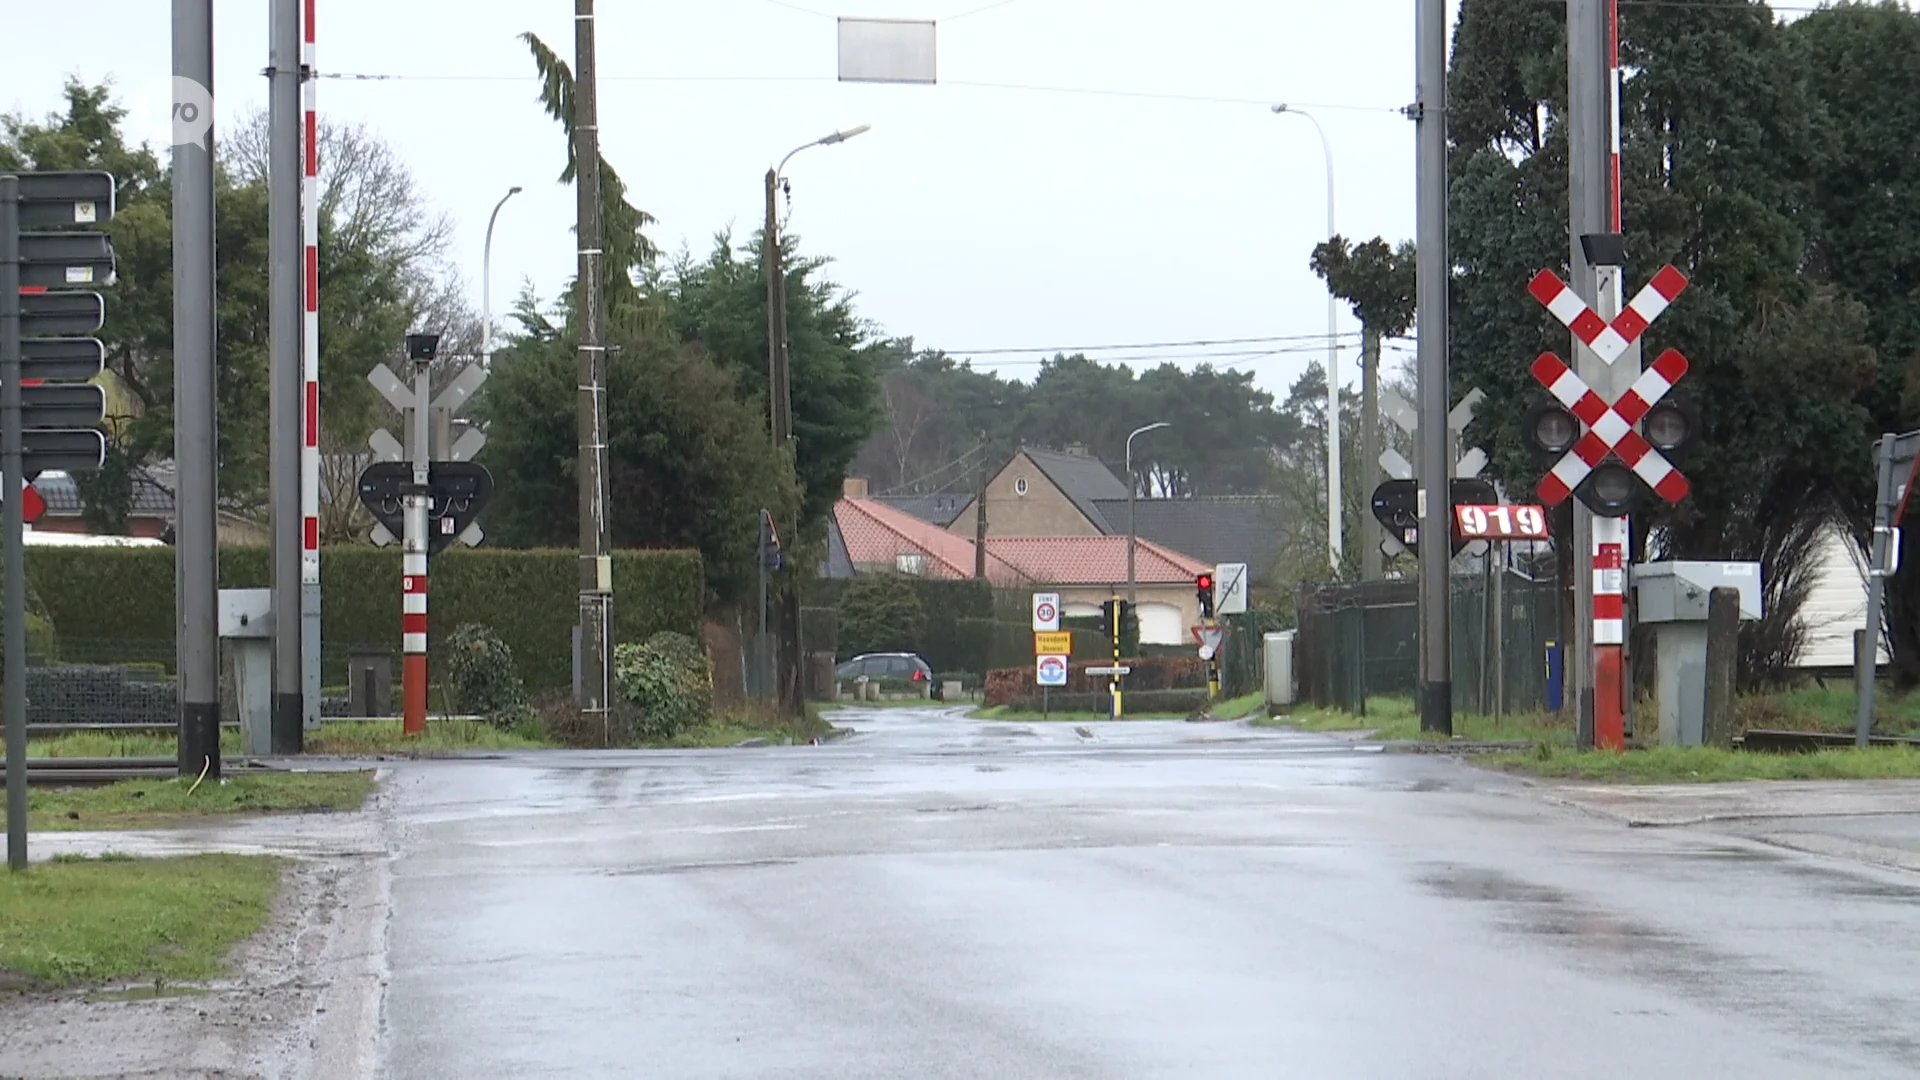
971	217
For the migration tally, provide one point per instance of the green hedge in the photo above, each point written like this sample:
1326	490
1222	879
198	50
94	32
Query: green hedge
530	598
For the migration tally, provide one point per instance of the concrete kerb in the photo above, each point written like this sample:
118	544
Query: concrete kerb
1680	805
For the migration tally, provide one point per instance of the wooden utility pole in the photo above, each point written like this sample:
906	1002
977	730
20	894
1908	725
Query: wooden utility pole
980	515
596	564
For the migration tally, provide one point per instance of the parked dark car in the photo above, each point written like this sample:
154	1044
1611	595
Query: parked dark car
899	667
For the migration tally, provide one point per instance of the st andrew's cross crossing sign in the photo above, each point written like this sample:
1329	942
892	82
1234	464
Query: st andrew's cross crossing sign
1610	426
1608	340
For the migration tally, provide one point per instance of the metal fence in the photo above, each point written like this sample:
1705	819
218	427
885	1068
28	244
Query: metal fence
1362	639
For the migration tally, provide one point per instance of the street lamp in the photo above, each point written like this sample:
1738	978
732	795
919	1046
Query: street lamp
1334	542
779	388
1130	486
486	283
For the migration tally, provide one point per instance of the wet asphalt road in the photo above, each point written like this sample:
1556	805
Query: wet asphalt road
938	897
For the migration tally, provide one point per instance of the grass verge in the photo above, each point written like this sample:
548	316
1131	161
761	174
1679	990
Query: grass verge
112	744
73	921
147	804
358	738
734	728
1709	765
1242	707
1395	720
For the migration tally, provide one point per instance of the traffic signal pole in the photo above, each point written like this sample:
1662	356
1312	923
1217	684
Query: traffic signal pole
11	445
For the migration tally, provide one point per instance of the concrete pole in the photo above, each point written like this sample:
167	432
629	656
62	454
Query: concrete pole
1588	187
596	562
1436	531
1866	653
286	286
196	548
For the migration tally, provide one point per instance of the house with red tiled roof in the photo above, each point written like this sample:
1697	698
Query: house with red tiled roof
866	536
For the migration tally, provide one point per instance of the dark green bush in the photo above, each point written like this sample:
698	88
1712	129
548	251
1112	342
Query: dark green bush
669	679
880	613
481	676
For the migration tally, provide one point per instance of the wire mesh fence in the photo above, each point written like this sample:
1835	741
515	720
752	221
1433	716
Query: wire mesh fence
1362	639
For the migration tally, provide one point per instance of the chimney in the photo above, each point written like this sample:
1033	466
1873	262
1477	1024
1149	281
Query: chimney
854	487
1076	449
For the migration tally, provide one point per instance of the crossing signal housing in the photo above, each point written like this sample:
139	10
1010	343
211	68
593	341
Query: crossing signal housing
1203	591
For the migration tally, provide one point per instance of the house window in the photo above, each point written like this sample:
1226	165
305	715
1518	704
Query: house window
1020	485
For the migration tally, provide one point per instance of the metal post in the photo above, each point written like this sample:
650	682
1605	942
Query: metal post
1866	657
772	260
596	564
285	386
310	374
413	584
196	533
763	657
1132	535
1336	540
1436	527
15	571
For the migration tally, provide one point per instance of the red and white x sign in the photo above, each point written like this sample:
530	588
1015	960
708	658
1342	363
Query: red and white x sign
1608	340
1610	427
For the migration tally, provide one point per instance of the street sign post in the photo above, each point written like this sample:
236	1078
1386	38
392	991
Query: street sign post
46	425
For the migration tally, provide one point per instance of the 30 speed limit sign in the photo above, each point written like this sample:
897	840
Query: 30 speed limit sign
1046	611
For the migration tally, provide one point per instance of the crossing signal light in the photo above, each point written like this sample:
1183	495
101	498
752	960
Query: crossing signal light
1612	489
1550	429
1203	589
1672	425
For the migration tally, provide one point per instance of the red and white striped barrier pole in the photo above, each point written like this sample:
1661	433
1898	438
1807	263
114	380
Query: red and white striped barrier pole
310	377
1609	632
413	620
1613	93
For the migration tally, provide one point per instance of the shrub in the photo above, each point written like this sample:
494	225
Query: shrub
669	679
482	677
879	614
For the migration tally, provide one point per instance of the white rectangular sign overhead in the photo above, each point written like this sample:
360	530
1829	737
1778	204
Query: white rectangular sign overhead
1046	611
887	50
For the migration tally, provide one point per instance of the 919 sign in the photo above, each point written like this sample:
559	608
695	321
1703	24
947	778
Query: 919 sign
1500	522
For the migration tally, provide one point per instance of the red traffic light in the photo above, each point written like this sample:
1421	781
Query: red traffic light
1203	581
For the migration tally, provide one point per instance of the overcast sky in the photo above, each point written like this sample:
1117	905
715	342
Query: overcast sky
1001	209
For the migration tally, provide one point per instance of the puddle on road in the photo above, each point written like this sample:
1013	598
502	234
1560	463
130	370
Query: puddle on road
693	868
1730	983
